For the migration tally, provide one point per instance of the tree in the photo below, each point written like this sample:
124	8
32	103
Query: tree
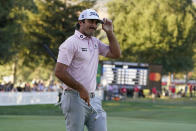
26	26
156	31
50	25
12	33
5	28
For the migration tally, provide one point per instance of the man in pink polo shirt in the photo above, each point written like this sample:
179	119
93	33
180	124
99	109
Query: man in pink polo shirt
77	68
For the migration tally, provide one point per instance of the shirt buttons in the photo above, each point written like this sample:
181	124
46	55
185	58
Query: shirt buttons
81	36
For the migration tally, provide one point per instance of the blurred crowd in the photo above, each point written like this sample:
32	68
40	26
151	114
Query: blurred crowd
38	86
110	92
176	92
120	92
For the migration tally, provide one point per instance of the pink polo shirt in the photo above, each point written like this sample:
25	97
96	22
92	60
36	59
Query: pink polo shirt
81	54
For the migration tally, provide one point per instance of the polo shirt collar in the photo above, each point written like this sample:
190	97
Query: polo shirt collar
80	35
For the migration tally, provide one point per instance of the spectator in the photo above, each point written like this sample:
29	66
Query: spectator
141	93
1	87
41	86
27	87
123	92
190	91
9	86
115	90
104	93
186	88
166	92
180	93
194	89
154	93
173	91
99	87
109	92
35	87
130	91
136	92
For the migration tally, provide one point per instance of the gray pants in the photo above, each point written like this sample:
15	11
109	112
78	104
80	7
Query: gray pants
78	113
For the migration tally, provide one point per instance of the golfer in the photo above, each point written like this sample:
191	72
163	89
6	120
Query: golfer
77	66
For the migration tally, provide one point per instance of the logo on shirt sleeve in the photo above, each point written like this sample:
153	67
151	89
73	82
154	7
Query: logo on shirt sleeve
84	49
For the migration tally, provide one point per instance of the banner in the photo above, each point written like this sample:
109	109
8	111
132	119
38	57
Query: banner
26	98
155	76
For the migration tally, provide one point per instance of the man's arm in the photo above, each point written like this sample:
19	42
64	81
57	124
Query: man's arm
114	51
65	77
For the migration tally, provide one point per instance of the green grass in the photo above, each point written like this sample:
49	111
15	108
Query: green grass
132	115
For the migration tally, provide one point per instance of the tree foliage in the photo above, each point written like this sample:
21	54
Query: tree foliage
51	25
12	34
156	31
5	29
26	26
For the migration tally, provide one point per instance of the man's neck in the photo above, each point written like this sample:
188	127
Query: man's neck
89	36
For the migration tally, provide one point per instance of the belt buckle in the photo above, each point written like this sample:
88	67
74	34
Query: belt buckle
92	95
67	90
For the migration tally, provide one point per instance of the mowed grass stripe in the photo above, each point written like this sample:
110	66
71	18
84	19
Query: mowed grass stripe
140	115
125	124
56	123
31	123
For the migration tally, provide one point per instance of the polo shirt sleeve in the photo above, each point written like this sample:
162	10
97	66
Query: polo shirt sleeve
66	53
103	48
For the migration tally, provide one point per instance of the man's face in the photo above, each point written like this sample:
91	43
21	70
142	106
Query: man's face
88	27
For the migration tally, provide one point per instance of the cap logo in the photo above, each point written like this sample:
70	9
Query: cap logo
93	13
82	16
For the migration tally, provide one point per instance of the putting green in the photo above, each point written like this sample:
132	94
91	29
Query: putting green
56	123
140	115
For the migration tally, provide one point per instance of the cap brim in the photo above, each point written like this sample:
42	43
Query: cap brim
101	21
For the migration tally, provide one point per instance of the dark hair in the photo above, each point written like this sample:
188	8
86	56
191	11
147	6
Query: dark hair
77	26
